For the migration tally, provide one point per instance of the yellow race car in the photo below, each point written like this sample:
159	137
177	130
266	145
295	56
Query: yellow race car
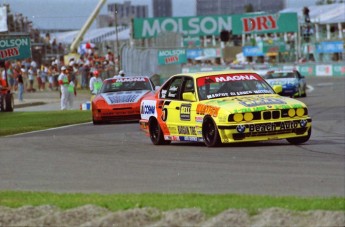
222	107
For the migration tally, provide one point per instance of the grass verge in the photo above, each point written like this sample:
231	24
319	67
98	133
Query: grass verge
209	204
19	122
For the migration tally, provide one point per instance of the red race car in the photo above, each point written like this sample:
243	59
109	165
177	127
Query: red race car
119	99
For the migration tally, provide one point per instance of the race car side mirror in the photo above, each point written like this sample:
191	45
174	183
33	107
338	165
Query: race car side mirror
188	96
278	89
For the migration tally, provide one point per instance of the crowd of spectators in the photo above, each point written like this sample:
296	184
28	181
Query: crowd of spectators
44	77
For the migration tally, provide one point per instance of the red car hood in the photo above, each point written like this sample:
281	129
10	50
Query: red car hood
124	96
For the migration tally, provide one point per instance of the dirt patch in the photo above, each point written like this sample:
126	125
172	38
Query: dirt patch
91	216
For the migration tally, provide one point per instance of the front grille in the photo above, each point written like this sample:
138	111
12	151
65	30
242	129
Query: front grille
285	112
257	115
276	114
267	115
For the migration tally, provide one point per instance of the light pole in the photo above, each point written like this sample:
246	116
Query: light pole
117	41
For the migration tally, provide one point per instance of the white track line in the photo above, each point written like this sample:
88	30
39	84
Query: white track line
49	129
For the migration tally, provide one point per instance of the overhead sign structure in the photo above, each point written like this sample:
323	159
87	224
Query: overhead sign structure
264	23
169	57
187	26
18	47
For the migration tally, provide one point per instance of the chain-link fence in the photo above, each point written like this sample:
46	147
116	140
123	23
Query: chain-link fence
143	61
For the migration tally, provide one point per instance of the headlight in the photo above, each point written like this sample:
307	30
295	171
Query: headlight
248	116
291	112
238	117
300	112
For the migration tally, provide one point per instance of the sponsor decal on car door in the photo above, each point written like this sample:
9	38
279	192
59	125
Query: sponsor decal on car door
180	119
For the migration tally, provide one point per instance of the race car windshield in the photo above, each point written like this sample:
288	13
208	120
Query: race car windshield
229	85
279	75
126	84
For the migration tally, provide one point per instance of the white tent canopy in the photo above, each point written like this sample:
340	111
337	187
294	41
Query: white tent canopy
96	35
323	14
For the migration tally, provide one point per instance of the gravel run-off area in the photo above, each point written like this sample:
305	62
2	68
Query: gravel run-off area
93	216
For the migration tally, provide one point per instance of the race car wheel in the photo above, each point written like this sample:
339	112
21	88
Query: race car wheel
156	133
9	103
95	122
304	94
210	133
299	140
299	91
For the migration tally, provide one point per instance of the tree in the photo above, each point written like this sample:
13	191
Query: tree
324	2
248	8
306	14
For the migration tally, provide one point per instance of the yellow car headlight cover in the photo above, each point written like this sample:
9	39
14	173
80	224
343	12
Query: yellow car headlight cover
248	116
292	112
238	117
300	112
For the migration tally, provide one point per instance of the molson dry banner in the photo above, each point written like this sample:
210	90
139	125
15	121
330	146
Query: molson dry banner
14	47
168	57
254	23
187	26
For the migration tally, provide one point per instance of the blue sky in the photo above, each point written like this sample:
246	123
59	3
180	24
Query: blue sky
71	14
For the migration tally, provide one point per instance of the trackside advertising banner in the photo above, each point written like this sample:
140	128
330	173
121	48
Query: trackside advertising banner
187	26
339	70
309	70
264	23
14	48
169	57
330	47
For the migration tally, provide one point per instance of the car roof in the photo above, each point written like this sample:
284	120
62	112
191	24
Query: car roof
283	71
211	73
127	77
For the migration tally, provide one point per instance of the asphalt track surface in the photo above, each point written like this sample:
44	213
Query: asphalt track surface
119	158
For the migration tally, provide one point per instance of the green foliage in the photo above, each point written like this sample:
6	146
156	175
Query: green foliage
249	8
19	122
324	2
209	204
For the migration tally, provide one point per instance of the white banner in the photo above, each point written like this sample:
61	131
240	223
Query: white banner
324	70
3	19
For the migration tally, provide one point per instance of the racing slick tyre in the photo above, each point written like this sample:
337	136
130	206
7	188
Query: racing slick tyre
299	140
299	92
210	132
304	94
9	103
156	133
95	122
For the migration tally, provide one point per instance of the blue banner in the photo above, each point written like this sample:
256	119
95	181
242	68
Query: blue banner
194	53
330	47
252	51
